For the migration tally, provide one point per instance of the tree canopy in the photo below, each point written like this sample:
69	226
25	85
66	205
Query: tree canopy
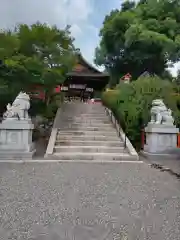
36	54
140	37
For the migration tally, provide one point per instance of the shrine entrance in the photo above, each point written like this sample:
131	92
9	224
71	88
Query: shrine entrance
84	81
78	91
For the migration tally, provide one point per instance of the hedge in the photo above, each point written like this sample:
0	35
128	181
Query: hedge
131	103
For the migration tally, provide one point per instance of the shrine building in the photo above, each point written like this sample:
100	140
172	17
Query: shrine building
84	80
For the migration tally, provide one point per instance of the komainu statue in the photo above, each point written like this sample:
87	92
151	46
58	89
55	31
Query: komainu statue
19	108
160	114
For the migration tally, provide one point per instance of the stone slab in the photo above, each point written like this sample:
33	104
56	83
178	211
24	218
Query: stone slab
16	139
94	156
169	153
90	149
84	125
161	155
16	124
92	129
87	138
160	138
14	155
117	143
161	128
87	133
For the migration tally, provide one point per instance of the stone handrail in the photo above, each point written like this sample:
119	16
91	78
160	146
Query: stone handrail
121	134
52	139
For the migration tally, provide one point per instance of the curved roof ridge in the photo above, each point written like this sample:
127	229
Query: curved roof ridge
86	62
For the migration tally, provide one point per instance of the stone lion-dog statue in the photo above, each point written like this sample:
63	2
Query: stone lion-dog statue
19	108
160	114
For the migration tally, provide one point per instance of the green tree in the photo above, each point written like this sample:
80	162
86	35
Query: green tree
177	80
139	38
36	54
127	5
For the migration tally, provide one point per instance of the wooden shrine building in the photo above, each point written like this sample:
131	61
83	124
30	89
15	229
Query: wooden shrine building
84	80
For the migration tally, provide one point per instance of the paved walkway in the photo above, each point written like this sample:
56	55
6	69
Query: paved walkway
88	201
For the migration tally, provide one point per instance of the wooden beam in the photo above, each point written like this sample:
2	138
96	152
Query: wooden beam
101	75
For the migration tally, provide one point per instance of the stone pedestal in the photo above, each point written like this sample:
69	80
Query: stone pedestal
160	138
16	139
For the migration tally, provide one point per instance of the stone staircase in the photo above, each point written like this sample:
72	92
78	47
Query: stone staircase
85	132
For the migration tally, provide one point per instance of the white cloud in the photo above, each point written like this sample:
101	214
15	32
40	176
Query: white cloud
174	69
75	30
59	12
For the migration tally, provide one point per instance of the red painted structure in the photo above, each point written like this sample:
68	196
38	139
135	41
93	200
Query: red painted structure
37	92
57	89
178	140
126	78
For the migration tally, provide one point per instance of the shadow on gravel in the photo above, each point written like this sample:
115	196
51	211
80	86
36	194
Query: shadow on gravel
41	146
163	169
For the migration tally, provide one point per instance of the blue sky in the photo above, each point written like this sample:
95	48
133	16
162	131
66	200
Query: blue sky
87	32
85	17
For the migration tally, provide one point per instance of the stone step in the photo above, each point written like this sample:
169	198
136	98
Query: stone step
85	113
85	110
87	138
87	121
88	114
69	119
118	143
90	149
70	116
94	156
85	125
93	129
88	133
98	113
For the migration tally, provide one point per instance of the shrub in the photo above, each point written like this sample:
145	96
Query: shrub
38	107
109	98
50	111
131	103
58	99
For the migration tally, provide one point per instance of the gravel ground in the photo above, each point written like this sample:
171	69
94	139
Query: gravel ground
88	201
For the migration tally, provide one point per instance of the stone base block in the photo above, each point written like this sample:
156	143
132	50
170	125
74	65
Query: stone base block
151	155
168	154
160	139
16	140
14	155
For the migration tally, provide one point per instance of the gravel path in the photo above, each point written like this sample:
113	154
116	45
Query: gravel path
88	201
